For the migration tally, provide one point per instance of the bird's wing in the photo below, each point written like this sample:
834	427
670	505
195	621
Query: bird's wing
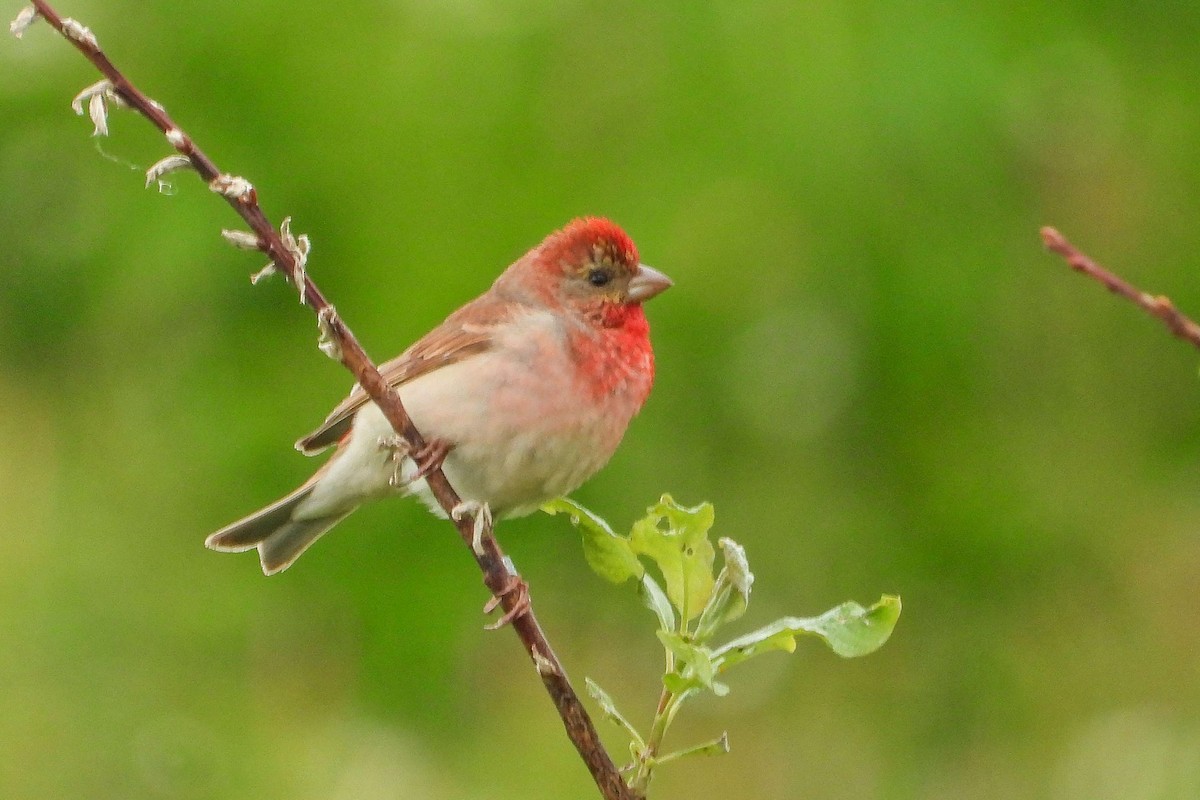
465	333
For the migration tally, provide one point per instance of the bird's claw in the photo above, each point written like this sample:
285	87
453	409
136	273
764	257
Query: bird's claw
430	457
520	607
427	458
397	449
483	519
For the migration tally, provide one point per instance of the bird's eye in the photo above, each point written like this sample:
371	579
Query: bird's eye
599	277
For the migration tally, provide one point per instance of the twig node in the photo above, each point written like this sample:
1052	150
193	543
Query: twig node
73	29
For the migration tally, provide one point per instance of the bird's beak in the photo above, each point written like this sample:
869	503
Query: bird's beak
647	282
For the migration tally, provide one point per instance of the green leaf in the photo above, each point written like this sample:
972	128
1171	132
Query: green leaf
678	684
689	655
694	666
716	747
656	600
608	554
849	629
610	710
676	538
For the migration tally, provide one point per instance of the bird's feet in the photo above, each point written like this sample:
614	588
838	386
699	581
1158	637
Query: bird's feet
483	519
520	607
428	457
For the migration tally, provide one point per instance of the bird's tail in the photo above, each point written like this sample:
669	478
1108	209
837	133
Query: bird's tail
279	536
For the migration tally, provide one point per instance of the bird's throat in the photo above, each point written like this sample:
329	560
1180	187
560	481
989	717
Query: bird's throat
615	357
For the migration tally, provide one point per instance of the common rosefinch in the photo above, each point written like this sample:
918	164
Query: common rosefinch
523	394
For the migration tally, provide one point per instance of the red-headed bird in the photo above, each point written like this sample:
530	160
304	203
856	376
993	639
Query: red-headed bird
523	394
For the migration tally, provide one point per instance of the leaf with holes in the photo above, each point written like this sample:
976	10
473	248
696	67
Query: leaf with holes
676	538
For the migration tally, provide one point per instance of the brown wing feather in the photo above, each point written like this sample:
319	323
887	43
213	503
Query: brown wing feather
451	342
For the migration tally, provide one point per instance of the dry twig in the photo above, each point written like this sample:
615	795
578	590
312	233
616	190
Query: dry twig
287	254
1157	306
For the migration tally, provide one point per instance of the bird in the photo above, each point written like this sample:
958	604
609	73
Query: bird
522	394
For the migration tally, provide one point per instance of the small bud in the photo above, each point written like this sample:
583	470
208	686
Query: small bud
164	166
27	17
325	340
232	186
544	665
244	240
265	272
98	110
79	32
739	568
175	137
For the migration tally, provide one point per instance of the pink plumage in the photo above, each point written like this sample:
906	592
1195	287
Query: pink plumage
525	393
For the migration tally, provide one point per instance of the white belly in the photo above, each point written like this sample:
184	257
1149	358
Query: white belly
516	441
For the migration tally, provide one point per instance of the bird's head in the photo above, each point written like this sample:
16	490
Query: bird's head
591	266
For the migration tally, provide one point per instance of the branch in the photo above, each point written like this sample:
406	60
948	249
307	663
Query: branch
288	254
1158	306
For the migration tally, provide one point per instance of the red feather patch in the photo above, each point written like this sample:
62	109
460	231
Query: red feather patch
580	238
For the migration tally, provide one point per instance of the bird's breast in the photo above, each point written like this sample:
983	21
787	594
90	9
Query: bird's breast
533	417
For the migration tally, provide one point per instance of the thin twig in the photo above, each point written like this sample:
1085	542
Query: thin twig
1158	306
339	342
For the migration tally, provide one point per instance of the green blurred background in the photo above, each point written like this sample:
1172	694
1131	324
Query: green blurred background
868	364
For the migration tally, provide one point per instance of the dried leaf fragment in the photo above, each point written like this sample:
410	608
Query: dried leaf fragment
245	240
265	272
165	166
101	87
299	247
98	111
98	95
27	16
326	342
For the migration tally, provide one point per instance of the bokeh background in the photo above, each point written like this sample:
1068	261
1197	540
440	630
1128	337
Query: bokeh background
868	364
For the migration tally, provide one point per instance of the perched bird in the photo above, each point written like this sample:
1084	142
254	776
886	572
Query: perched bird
523	394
